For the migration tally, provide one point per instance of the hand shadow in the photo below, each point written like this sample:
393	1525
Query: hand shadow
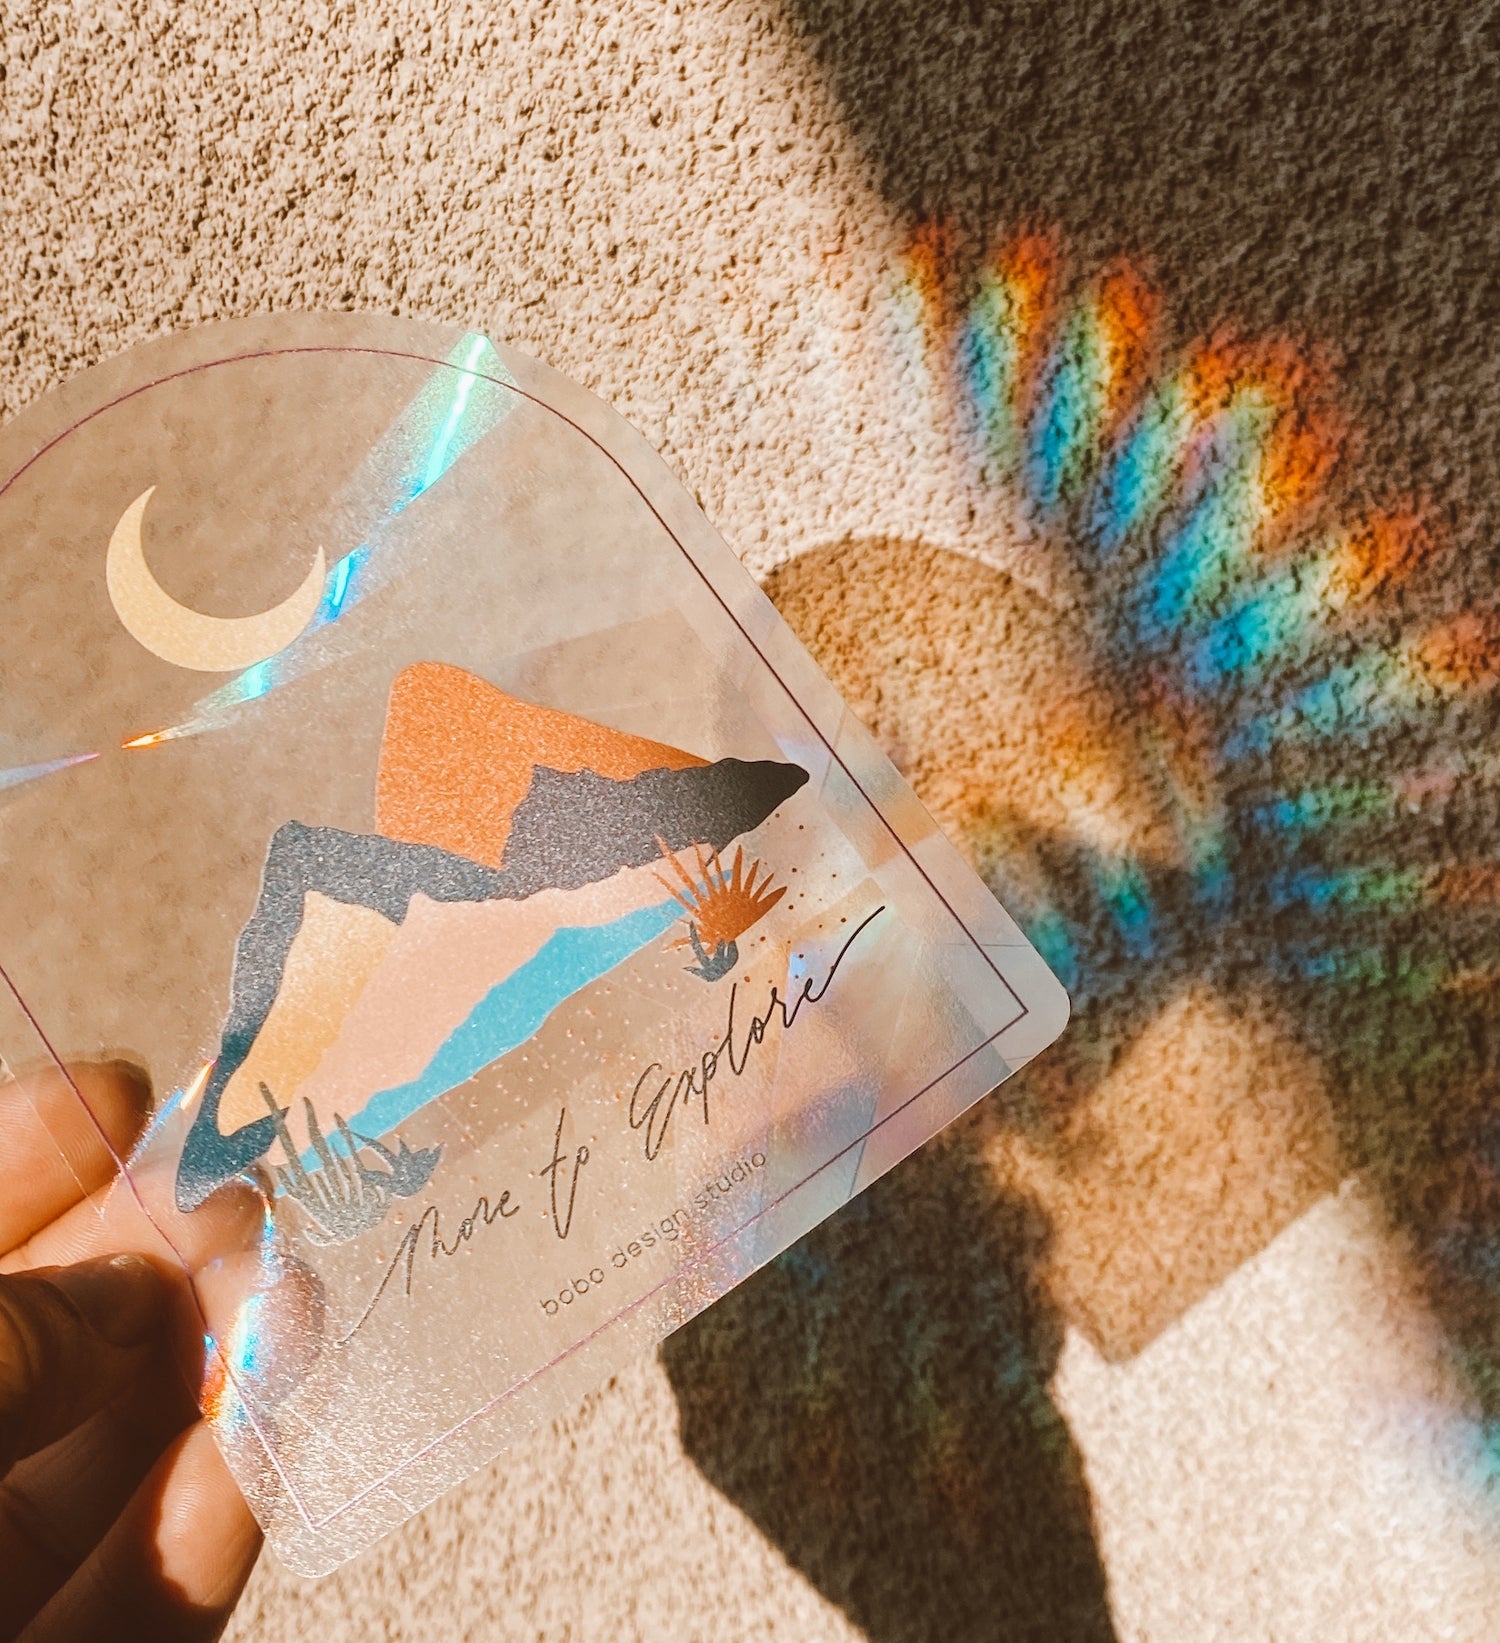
876	1401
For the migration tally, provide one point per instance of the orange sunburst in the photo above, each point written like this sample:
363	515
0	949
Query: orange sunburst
722	907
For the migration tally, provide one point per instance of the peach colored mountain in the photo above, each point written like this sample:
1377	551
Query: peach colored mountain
515	863
444	959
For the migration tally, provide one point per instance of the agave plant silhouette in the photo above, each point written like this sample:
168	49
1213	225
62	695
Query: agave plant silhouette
343	1195
1272	771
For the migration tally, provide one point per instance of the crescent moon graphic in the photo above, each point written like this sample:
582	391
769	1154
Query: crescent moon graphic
187	638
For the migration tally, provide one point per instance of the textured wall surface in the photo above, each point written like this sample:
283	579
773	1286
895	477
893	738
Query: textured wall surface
1108	396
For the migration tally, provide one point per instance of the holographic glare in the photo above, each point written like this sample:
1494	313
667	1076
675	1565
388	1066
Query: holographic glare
19	775
462	401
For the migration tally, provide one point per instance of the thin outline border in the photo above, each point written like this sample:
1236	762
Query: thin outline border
317	1525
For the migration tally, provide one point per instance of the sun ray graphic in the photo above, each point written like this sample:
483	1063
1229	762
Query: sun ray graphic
720	906
1280	669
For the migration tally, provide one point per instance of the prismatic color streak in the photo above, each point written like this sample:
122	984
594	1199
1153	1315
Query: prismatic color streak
243	1357
21	775
1189	489
456	408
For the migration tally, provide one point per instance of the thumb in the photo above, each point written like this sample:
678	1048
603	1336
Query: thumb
71	1338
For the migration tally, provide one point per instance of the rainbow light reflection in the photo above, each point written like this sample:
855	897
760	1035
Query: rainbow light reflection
247	1352
458	406
22	775
1245	625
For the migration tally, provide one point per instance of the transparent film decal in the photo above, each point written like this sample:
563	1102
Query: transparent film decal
396	764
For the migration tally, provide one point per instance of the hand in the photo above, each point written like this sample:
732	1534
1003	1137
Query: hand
118	1516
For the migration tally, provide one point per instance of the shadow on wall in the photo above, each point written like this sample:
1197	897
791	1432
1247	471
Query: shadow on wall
1333	174
1244	793
876	1401
1241	788
1241	785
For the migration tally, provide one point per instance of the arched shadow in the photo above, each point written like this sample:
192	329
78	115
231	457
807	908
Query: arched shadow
1240	1041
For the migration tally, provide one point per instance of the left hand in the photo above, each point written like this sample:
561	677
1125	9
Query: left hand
118	1516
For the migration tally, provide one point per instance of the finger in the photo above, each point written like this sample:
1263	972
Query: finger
175	1562
226	1228
59	1140
57	1505
140	1215
70	1341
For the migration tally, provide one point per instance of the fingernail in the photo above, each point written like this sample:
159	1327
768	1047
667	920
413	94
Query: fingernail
119	1296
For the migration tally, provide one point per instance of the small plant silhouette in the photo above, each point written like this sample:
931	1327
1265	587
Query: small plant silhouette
344	1196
